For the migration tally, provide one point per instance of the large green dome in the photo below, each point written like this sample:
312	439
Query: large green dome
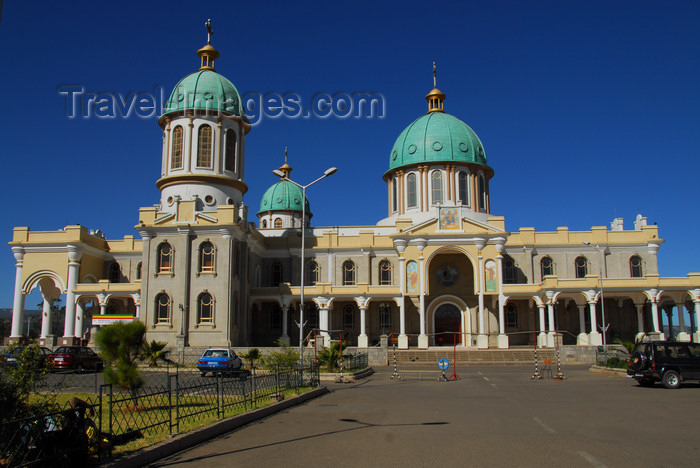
436	137
205	90
283	196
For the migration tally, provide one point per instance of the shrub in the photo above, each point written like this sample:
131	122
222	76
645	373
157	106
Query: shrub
121	345
286	358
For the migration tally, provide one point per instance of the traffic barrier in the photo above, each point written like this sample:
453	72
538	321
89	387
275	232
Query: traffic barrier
395	375
536	375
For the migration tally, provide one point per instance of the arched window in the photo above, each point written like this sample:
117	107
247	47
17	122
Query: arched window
581	266
312	271
348	273
394	195
139	267
636	266
509	270
165	258
348	316
411	191
115	273
482	193
511	315
463	187
205	308
230	151
264	224
436	187
204	145
176	156
547	266
278	223
275	274
163	308
207	255
385	272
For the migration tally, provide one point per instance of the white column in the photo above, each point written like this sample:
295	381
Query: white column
74	255
285	321
18	304
362	339
482	341
423	337
46	319
502	337
403	339
696	334
137	304
582	338
79	315
550	316
596	338
639	309
657	333
542	337
324	325
683	334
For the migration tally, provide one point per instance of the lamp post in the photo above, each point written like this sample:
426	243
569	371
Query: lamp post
285	176
603	326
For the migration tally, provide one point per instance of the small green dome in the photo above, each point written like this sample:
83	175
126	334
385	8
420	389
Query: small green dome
283	196
205	90
436	137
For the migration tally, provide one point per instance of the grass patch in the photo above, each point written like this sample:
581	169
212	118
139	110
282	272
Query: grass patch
153	414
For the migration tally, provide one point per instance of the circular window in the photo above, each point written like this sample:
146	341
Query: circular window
296	201
394	155
170	200
437	146
463	147
229	201
180	97
412	149
208	96
279	199
447	275
209	200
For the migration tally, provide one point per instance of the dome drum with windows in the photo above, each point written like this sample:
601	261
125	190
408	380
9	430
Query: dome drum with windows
437	160
204	131
280	206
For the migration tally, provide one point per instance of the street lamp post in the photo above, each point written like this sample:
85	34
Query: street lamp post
603	326
285	176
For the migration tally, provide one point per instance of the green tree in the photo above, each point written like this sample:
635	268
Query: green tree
121	345
153	352
17	381
251	356
286	358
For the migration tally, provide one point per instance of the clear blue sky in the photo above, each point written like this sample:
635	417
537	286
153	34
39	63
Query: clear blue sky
588	110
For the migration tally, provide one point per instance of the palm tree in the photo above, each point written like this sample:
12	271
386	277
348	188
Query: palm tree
153	352
251	356
328	356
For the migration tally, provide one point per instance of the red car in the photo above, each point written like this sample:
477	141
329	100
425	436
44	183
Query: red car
75	357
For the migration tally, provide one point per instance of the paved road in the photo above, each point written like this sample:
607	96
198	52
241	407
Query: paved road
492	417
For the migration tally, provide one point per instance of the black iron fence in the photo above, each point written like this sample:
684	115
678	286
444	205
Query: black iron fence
91	429
354	362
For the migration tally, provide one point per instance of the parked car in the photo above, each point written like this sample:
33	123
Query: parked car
668	362
219	360
10	359
76	357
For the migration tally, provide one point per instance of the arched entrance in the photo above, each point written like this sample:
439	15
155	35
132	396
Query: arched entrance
448	320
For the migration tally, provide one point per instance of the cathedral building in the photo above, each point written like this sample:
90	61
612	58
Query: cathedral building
440	269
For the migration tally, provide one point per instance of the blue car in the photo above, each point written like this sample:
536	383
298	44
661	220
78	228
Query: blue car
222	360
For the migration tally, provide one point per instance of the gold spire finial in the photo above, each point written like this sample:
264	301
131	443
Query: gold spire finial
435	97
285	168
208	53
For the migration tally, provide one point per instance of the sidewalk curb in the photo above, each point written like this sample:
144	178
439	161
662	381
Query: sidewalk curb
608	370
190	439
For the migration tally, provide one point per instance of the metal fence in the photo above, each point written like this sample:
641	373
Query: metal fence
85	430
353	362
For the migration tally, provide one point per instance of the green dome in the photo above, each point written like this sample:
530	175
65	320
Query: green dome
437	137
283	196
205	90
